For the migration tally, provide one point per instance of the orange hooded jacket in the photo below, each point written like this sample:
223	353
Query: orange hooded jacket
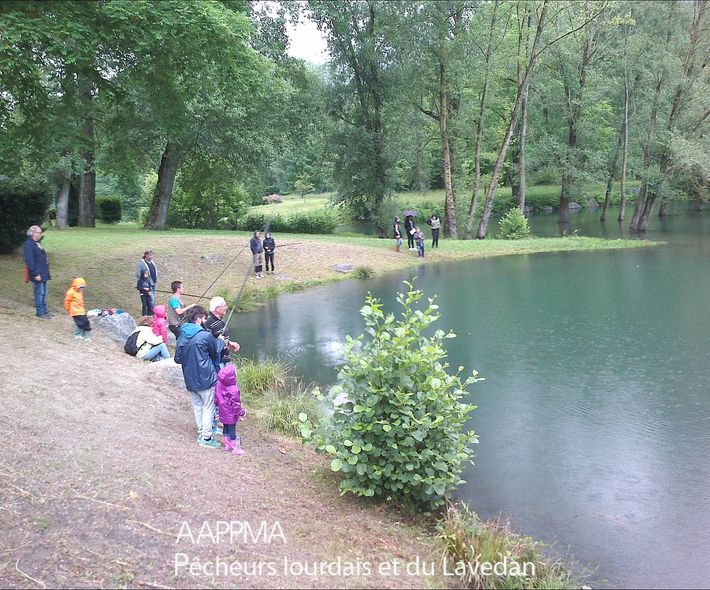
74	299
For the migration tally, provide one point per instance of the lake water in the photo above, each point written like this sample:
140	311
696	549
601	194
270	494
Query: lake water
594	419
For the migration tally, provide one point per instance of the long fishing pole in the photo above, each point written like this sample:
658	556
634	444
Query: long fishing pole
244	282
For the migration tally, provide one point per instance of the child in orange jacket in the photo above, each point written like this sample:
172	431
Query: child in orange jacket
74	304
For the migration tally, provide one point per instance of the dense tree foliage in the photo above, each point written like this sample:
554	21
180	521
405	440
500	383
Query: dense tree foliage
191	111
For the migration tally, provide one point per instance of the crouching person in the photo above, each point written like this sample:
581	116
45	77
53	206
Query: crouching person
199	353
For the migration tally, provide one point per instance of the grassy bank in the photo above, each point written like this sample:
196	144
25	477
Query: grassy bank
106	257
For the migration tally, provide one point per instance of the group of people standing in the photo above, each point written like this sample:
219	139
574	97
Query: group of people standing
260	248
414	235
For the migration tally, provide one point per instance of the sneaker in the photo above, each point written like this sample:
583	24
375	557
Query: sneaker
211	443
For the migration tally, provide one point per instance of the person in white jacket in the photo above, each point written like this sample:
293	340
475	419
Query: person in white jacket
150	346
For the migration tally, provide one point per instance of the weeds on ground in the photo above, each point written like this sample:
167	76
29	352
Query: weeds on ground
470	542
364	272
282	411
256	378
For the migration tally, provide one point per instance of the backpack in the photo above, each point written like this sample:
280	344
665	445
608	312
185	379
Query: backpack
131	346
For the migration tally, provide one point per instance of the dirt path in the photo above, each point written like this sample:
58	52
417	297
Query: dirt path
102	485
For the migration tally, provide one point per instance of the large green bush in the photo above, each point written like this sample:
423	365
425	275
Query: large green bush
108	209
398	428
319	221
22	205
514	225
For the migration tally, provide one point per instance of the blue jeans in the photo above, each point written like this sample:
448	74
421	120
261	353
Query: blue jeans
40	292
420	249
159	350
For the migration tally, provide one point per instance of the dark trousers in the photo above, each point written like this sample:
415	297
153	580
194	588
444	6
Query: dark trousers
435	238
175	330
410	240
146	303
269	257
230	430
82	322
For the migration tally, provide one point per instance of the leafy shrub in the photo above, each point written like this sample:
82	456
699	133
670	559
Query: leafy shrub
514	225
398	425
22	205
319	221
108	209
274	198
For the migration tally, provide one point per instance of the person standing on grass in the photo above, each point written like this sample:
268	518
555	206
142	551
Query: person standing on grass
176	308
37	270
435	224
269	247
409	230
257	254
146	264
419	239
198	352
397	235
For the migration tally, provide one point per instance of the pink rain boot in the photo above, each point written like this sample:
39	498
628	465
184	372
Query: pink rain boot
228	445
237	448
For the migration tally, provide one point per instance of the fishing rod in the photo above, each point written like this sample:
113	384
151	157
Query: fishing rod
244	282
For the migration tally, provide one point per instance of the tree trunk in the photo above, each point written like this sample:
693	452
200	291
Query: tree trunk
624	154
87	190
61	199
610	180
158	213
450	229
490	193
479	127
421	175
522	175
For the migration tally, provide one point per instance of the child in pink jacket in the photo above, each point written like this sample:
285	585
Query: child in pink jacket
160	323
229	402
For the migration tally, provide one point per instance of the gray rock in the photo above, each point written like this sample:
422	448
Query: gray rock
527	209
211	258
547	209
170	372
344	268
117	327
574	206
591	204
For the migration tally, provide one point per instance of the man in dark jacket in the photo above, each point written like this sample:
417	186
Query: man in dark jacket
257	254
199	352
215	324
37	270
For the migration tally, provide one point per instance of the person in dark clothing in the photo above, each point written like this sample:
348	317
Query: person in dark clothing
143	286
269	247
215	324
146	264
435	224
37	270
198	352
409	230
397	234
257	254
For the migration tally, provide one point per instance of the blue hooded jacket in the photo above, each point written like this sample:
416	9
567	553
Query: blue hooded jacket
198	352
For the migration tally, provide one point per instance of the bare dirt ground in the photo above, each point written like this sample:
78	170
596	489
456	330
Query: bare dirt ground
103	485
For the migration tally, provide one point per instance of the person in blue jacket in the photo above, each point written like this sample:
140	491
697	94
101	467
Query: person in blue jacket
199	353
37	270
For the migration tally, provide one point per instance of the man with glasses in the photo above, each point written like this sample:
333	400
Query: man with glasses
37	270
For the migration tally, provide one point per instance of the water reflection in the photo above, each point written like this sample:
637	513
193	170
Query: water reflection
594	418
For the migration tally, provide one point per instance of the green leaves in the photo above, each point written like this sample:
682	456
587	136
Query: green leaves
402	433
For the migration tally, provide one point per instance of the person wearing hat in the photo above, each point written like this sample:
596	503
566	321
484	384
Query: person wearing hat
215	324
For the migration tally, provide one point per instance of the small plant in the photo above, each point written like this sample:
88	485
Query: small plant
282	412
270	199
398	428
514	225
364	272
41	524
470	541
257	378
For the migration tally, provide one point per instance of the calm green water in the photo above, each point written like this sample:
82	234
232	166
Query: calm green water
594	418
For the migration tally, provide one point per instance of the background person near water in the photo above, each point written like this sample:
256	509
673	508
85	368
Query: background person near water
37	270
146	264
